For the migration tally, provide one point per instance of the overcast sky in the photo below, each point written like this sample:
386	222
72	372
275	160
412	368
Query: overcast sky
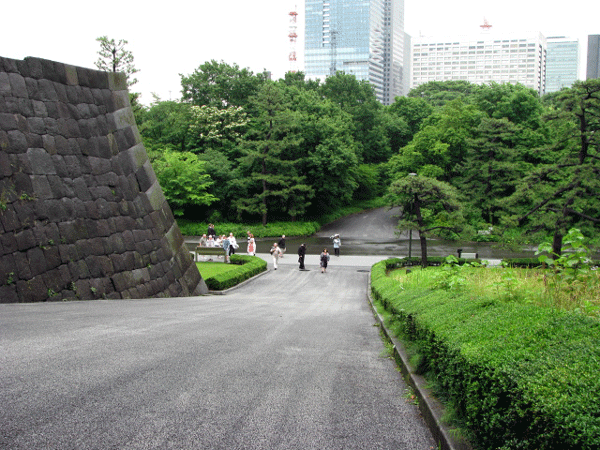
177	36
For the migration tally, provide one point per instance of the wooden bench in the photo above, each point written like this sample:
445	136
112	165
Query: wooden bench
209	251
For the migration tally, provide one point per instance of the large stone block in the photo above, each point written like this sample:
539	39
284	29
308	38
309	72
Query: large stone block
18	88
83	215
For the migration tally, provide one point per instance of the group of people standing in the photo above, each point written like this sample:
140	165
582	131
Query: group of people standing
230	245
277	251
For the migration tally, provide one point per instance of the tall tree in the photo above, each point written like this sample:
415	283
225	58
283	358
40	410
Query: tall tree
430	206
563	193
412	110
438	93
441	143
328	152
492	167
183	179
166	124
220	85
358	99
113	57
269	178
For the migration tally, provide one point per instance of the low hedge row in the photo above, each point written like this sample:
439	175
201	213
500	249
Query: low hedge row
432	261
250	266
533	262
190	228
517	375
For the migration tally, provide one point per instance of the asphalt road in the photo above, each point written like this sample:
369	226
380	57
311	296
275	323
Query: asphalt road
291	360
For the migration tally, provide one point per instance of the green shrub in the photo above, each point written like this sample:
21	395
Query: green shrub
518	376
298	228
249	267
521	262
190	228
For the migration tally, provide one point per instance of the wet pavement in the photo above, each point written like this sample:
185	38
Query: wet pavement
374	234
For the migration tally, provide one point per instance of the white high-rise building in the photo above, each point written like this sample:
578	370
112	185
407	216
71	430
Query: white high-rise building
593	57
360	37
484	58
562	65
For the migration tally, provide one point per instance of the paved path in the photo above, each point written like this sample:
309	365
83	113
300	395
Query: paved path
291	360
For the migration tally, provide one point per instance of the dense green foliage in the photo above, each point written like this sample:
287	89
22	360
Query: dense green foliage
285	150
293	149
273	229
248	266
518	376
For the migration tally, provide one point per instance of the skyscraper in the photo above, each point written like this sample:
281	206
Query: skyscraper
593	57
360	37
562	62
484	58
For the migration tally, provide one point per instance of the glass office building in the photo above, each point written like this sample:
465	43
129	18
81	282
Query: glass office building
562	62
360	37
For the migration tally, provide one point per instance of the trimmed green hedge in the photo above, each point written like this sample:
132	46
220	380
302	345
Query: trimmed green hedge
533	262
522	262
250	266
273	229
517	375
189	228
432	261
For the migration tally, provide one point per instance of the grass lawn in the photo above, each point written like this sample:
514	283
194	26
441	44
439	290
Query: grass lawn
210	269
526	286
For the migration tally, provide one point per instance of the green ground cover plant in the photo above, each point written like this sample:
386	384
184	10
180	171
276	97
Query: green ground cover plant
190	228
273	229
517	364
209	269
219	276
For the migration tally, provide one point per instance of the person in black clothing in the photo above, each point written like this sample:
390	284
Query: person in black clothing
211	231
281	245
301	255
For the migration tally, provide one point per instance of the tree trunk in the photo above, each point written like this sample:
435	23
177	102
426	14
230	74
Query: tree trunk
423	240
557	243
422	237
264	199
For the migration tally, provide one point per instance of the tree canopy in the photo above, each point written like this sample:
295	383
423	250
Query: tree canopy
294	148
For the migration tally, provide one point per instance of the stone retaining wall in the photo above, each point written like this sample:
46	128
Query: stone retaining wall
82	215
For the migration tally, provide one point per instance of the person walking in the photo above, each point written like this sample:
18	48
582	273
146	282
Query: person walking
301	255
336	244
276	253
251	245
226	246
281	244
233	245
324	260
203	243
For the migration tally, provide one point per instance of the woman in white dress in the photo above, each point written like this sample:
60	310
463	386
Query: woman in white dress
251	245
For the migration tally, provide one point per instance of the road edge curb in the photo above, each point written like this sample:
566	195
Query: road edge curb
431	409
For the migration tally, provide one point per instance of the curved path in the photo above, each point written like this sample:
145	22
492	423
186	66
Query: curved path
290	360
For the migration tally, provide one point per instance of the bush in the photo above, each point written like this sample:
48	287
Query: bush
250	266
529	263
273	229
432	261
190	228
517	375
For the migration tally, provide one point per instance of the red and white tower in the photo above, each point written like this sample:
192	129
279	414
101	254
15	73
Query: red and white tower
486	26
293	35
